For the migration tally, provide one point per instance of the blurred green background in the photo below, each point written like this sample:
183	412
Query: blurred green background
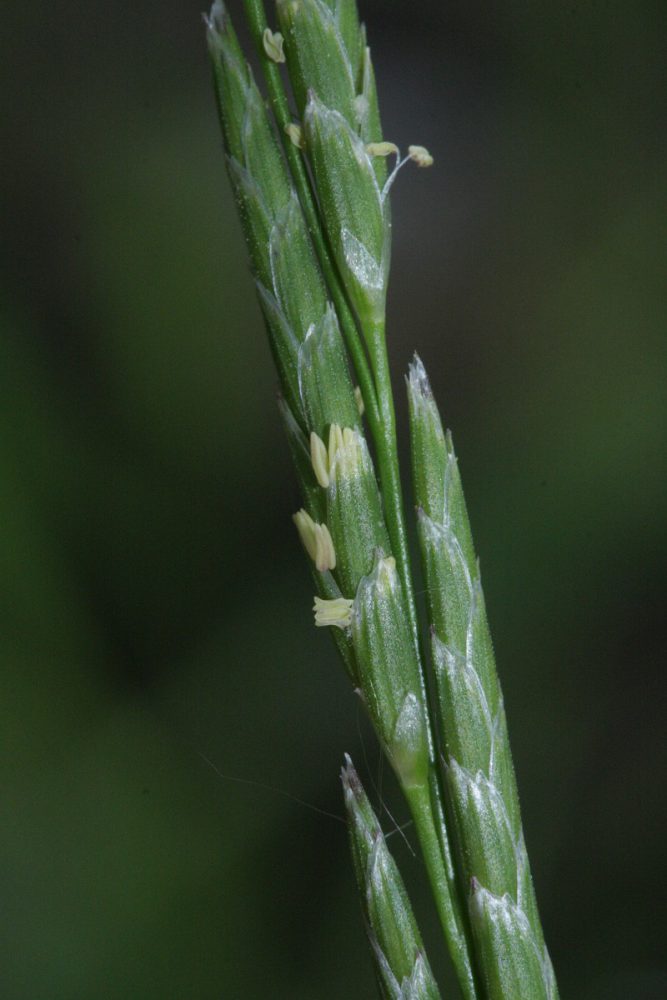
155	611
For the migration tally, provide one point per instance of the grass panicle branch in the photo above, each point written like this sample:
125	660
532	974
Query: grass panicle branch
312	191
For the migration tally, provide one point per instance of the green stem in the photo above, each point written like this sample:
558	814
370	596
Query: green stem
456	893
428	808
441	882
256	17
390	476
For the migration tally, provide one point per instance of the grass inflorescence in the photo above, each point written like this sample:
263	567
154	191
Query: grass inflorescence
311	172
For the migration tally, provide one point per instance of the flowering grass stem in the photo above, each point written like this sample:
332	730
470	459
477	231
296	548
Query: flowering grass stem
314	204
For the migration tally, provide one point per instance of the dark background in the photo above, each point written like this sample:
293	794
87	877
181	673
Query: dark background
155	606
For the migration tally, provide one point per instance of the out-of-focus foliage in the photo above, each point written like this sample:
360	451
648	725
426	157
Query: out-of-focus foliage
155	609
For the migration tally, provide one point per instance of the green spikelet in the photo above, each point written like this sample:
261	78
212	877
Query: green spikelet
290	287
353	206
477	766
401	965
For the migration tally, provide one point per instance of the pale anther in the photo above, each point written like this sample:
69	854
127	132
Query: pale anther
319	459
295	134
335	442
359	399
273	45
420	155
336	612
345	452
382	149
316	540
